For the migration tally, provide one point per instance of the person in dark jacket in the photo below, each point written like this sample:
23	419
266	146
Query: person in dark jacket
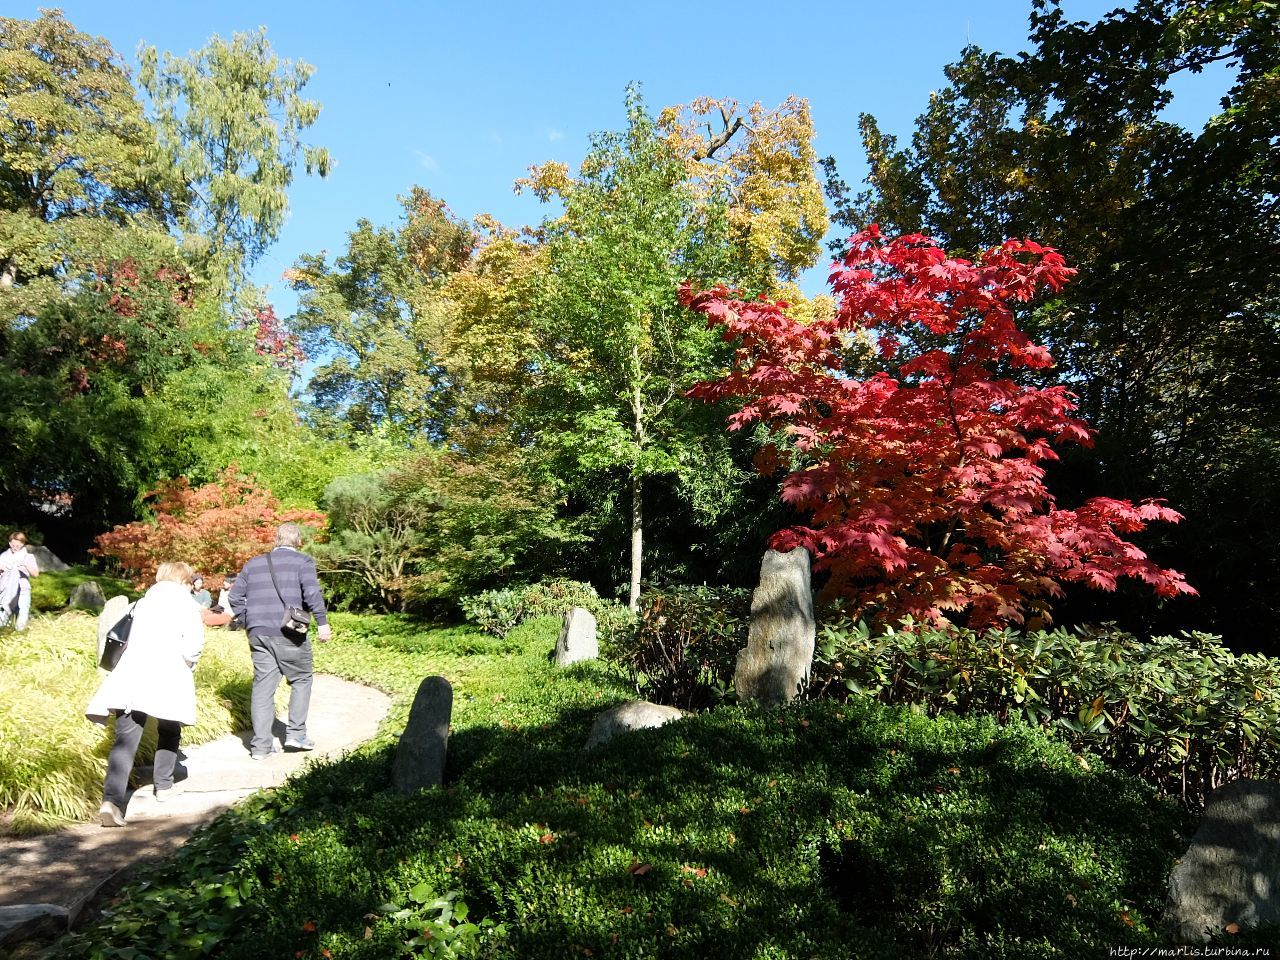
260	601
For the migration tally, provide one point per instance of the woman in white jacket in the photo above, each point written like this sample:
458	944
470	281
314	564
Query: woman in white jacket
153	679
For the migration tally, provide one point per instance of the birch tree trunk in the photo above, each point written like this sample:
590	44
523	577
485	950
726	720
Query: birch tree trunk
637	538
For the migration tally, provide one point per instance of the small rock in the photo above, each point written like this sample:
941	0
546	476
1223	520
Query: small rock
87	596
28	921
577	638
47	559
632	715
1231	871
420	755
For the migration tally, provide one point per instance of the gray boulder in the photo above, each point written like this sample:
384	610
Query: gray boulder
577	638
632	715
778	656
420	757
47	559
1231	871
87	596
27	921
112	611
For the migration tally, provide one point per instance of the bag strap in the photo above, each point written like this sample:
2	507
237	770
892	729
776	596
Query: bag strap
271	567
128	614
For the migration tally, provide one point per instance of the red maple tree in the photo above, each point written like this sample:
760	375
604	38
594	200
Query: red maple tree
216	528
926	488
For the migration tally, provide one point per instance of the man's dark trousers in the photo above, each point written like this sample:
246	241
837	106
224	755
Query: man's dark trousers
274	657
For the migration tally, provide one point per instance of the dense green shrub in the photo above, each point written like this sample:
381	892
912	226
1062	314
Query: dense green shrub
1183	712
499	611
684	649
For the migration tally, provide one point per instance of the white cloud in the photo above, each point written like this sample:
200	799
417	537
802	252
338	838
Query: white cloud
427	160
553	135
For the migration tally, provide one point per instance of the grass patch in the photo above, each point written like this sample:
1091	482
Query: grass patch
53	588
822	830
54	759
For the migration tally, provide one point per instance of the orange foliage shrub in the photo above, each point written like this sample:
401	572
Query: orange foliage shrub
216	528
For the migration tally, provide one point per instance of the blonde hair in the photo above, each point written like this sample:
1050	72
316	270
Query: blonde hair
19	536
175	571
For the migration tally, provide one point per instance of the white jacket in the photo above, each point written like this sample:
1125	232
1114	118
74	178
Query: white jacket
154	674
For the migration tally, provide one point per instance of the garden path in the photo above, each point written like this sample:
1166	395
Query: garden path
69	867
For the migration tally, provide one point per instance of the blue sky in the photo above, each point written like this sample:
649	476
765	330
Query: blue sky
462	97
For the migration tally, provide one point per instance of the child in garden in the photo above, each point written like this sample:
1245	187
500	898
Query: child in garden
17	567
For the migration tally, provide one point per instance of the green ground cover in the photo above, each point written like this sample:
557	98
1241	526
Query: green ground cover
821	830
53	588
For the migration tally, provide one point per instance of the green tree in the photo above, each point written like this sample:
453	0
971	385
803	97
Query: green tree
378	314
78	181
230	118
616	350
489	346
87	428
132	380
1170	333
437	526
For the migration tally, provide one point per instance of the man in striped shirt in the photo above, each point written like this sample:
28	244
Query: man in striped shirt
267	586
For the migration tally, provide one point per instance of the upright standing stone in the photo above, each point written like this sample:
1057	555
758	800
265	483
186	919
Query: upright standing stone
87	596
420	757
577	638
779	653
112	611
1231	871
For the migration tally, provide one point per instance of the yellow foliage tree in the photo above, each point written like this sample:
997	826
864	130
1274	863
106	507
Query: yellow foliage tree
763	163
488	343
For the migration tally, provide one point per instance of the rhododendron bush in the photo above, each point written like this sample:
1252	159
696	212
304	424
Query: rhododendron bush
216	528
925	488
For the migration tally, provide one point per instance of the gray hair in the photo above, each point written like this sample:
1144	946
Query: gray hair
289	535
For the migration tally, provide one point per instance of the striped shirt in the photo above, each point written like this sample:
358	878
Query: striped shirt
254	600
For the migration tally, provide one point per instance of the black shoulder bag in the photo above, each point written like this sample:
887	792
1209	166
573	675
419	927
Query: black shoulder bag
296	620
117	640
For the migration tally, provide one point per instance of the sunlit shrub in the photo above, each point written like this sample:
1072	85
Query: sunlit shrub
1183	712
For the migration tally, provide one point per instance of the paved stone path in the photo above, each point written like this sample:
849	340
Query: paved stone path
68	867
